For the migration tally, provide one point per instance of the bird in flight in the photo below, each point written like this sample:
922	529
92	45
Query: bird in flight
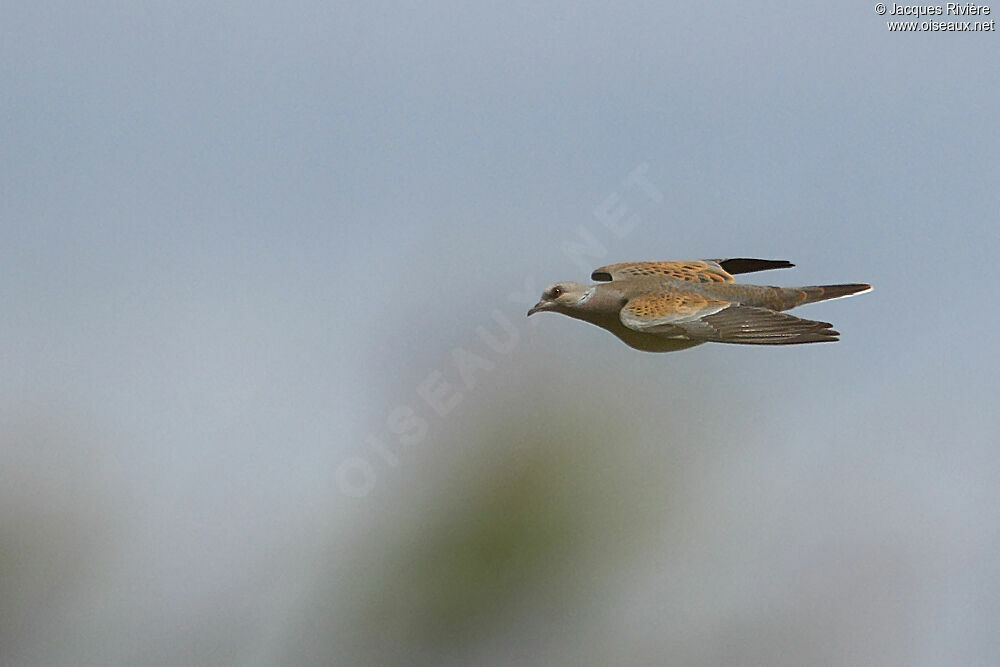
667	306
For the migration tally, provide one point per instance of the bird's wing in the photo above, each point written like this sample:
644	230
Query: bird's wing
696	317
662	312
698	271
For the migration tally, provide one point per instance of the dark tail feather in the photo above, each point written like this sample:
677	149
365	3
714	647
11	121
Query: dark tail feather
826	292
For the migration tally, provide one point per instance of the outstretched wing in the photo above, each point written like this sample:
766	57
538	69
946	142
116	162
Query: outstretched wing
696	317
698	271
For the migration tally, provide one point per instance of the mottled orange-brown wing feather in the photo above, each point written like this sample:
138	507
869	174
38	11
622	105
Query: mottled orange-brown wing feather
697	271
650	312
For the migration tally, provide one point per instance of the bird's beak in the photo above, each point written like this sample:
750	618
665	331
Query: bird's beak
537	307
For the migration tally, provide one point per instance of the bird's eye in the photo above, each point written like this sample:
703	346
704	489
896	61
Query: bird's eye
557	292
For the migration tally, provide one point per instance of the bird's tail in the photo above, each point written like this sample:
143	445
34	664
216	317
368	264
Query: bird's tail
826	292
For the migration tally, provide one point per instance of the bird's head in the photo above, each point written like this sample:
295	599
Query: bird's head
561	297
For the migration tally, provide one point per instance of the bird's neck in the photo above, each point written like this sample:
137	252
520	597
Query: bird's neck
602	305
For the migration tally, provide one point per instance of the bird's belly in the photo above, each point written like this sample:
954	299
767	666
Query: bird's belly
650	342
636	339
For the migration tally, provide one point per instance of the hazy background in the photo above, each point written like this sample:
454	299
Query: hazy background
236	238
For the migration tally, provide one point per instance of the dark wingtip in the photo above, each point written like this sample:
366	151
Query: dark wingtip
750	265
600	276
